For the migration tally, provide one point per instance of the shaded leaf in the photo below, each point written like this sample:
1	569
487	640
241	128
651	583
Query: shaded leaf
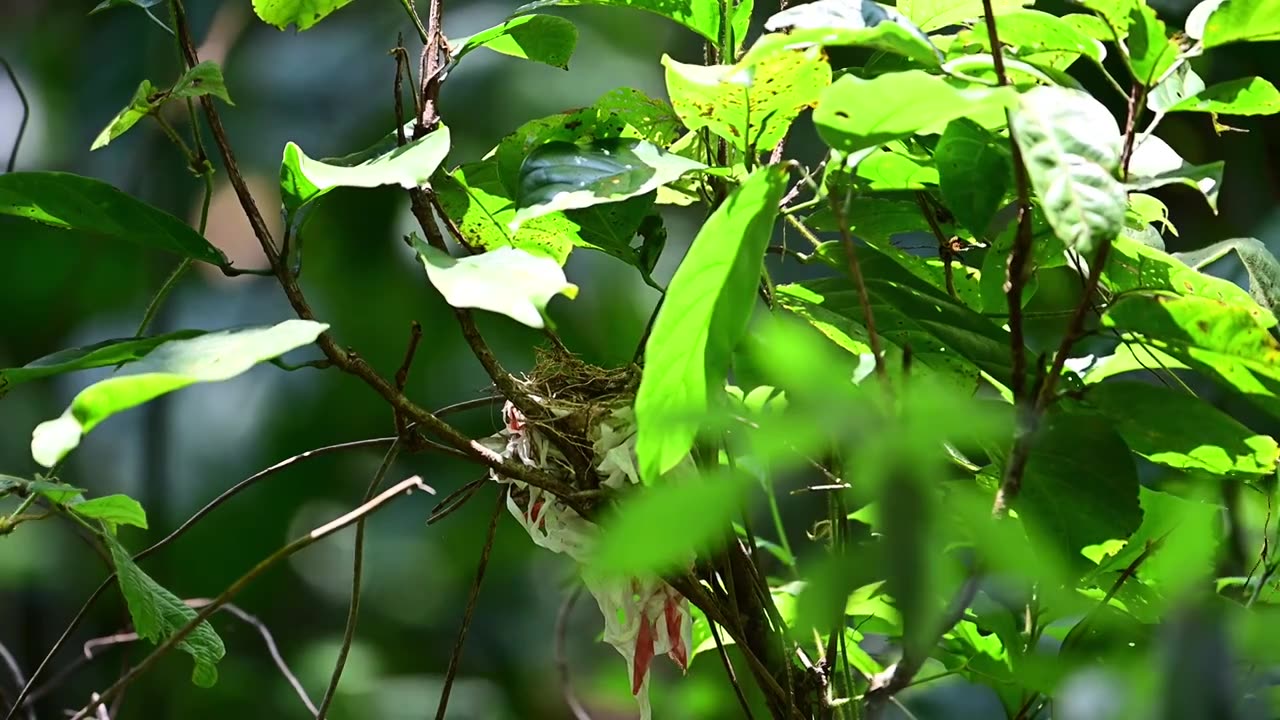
95	209
203	79
859	23
507	281
170	366
102	354
975	172
541	38
1245	96
854	114
750	104
303	13
115	509
700	16
703	316
1154	164
108	4
54	491
158	614
1071	146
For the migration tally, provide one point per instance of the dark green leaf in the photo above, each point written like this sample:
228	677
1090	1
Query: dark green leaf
1071	146
541	38
568	176
1245	96
700	16
507	281
158	614
171	366
1154	164
203	79
843	22
95	209
974	173
703	316
103	354
854	114
115	509
303	13
55	492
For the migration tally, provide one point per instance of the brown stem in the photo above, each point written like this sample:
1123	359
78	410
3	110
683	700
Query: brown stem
855	272
944	245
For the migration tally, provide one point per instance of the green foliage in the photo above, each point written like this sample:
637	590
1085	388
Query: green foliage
964	152
113	510
836	22
701	16
102	354
303	13
541	38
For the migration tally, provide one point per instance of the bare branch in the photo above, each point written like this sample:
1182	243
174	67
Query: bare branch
15	670
562	658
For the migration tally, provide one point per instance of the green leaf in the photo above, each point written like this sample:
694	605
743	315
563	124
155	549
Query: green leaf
1172	428
1032	32
303	180
95	209
1229	343
894	166
661	529
1260	264
1181	84
54	491
170	366
750	104
854	114
1184	529
1154	164
1242	21
102	354
507	281
303	13
860	23
1245	96
700	16
1132	266
203	79
1080	486
541	38
139	107
974	173
568	176
1151	52
475	200
1071	146
936	14
158	614
703	316
115	509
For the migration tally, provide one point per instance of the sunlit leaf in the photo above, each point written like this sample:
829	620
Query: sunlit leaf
507	281
859	23
1242	21
703	315
974	173
1154	164
138	108
1169	523
158	614
1259	263
1134	266
102	354
854	114
1245	96
116	509
569	176
477	203
171	366
894	166
542	38
92	208
1151	51
1032	32
303	13
700	16
750	104
1181	84
936	14
1071	146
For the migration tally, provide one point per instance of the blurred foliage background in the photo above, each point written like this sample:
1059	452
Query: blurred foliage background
330	90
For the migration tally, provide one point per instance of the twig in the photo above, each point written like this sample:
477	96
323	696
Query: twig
855	271
562	658
15	670
402	374
1137	94
456	656
455	500
26	115
413	483
733	676
357	573
944	245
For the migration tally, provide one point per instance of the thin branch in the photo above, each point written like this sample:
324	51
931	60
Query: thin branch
1137	96
456	656
26	115
944	245
399	489
455	500
357	571
855	272
402	374
11	663
733	676
562	658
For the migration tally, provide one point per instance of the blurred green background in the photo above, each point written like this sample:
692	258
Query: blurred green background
329	90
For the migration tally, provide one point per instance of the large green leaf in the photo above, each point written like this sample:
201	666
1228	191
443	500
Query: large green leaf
102	354
936	14
542	38
750	104
703	316
1080	486
860	23
1154	164
1245	96
1029	33
1071	146
661	529
896	166
1242	21
1181	84
1151	52
508	281
114	509
1230	343
1259	263
854	114
95	209
303	13
170	366
974	173
700	16
475	200
1173	428
158	614
1177	536
303	180
1134	266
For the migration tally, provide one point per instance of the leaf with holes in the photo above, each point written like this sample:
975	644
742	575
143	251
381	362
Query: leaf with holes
703	316
102	354
303	13
854	114
859	23
157	614
92	208
173	365
1154	164
1132	266
568	176
507	281
1071	146
1245	96
541	38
